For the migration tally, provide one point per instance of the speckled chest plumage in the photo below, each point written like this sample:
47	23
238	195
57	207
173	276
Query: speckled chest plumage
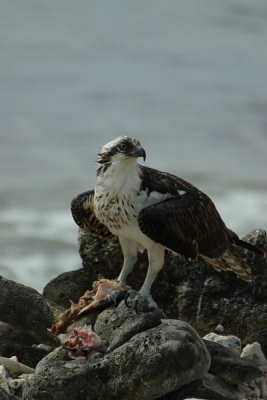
116	194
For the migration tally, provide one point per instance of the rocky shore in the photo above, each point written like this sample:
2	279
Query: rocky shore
147	356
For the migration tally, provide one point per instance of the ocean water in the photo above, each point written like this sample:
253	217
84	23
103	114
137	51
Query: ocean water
188	79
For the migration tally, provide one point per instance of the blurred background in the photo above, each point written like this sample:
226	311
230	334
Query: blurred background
186	78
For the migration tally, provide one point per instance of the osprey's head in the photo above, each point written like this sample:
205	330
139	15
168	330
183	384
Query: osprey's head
121	148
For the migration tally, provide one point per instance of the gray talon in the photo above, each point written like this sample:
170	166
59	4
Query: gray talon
114	296
141	303
126	298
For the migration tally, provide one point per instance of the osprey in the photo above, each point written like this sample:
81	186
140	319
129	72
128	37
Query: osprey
148	209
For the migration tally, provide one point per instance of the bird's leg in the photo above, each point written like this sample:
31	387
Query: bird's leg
129	249
128	264
126	269
143	298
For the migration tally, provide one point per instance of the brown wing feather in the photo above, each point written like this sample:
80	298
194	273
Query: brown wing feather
82	208
188	224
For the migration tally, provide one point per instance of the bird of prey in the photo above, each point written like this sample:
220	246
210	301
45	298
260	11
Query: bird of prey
148	209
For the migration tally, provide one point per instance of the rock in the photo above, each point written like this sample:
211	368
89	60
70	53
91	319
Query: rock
6	330
233	343
251	390
9	333
28	355
101	258
119	325
229	367
4	384
258	238
27	311
219	328
260	337
146	358
210	387
141	363
4	395
253	353
68	286
13	366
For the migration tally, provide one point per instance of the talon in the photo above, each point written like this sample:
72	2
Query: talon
126	298
114	296
141	303
136	307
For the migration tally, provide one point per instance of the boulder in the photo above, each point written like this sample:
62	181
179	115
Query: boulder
26	312
210	387
4	395
27	355
145	359
68	286
260	337
10	333
230	368
119	325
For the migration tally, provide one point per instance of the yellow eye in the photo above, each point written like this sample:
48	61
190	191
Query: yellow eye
123	146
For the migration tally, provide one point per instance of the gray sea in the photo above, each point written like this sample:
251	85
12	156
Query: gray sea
186	78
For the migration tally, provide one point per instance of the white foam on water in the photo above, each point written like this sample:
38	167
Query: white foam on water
37	246
37	269
37	224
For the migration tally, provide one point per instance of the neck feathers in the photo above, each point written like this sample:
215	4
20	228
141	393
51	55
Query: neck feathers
118	168
119	176
102	169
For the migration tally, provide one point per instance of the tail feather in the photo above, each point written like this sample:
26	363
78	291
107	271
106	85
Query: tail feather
230	261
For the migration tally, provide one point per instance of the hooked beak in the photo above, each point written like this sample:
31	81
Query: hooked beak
138	151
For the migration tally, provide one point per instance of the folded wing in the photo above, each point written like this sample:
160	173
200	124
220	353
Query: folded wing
188	224
82	208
